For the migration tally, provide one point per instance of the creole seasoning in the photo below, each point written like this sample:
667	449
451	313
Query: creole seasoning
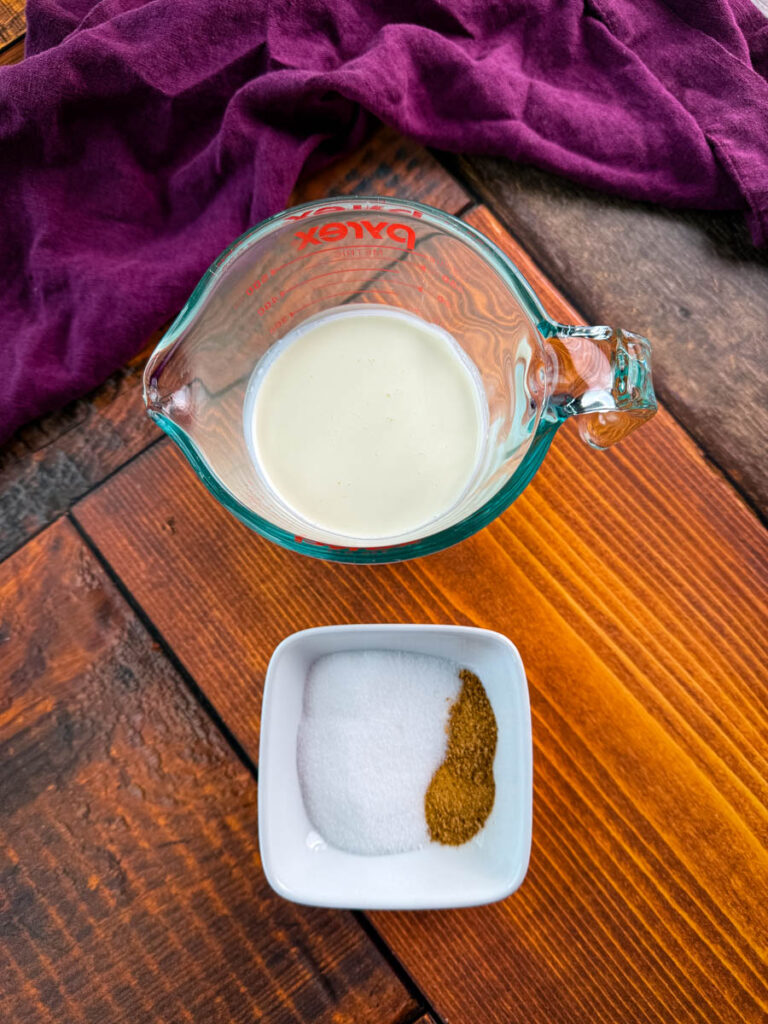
461	794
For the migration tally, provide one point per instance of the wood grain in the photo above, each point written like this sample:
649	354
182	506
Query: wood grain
130	881
12	23
689	280
53	462
12	53
633	583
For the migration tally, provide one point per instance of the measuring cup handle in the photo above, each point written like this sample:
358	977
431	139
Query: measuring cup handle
602	376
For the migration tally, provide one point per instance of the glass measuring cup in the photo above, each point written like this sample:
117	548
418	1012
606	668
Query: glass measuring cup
349	251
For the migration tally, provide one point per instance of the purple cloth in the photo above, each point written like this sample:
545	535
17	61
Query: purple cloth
137	139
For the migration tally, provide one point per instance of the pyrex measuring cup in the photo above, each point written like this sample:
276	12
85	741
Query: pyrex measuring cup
359	250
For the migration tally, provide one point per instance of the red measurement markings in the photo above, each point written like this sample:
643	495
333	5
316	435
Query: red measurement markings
361	270
271	302
359	253
361	291
346	251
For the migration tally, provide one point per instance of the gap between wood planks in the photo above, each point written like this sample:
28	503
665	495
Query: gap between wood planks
12	52
424	1012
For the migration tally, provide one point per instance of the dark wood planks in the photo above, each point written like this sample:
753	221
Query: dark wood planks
387	165
691	281
52	462
130	882
55	461
634	584
12	53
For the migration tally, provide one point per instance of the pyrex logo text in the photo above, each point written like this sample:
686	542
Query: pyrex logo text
338	230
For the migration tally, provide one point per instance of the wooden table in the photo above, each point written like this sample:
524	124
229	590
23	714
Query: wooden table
137	619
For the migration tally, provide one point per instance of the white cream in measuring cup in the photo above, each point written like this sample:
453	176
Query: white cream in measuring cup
367	421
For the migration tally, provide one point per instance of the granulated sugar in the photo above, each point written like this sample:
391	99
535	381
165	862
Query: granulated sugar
371	736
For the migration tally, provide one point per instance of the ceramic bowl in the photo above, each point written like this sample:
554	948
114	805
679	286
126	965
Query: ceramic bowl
302	867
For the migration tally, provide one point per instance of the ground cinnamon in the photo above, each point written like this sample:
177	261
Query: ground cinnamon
461	794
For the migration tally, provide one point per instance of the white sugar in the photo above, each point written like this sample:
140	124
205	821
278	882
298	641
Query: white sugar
372	734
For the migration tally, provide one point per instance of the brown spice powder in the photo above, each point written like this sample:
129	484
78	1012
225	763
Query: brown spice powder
461	794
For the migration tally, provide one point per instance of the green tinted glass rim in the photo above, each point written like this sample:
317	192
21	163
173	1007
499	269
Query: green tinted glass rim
394	552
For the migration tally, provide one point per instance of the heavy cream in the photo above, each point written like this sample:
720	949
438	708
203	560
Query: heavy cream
367	422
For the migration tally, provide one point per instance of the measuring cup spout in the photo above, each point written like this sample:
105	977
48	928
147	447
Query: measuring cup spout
602	376
168	393
158	396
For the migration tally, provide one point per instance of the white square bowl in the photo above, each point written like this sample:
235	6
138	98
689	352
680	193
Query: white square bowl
302	867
